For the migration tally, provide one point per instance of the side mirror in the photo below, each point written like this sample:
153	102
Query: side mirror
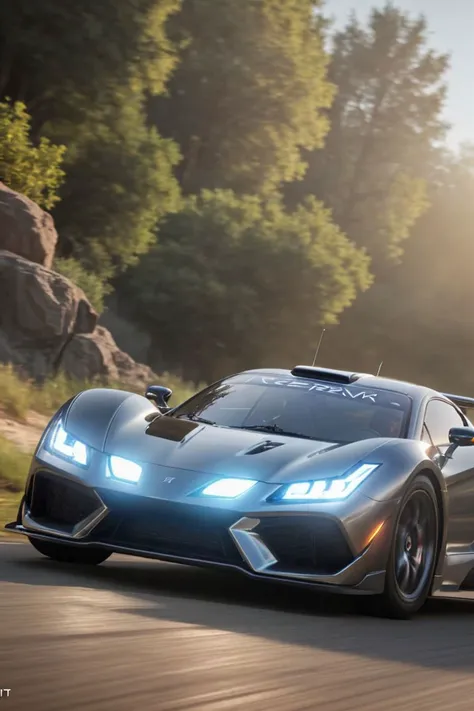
159	395
461	436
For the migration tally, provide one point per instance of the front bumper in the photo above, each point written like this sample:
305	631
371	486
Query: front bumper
292	544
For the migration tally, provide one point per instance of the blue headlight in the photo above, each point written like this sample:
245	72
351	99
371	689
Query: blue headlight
228	488
124	469
62	443
329	489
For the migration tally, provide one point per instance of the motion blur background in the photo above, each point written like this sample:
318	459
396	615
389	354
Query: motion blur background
227	178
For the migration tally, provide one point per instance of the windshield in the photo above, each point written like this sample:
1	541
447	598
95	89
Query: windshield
301	407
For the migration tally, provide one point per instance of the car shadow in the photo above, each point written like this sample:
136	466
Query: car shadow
441	636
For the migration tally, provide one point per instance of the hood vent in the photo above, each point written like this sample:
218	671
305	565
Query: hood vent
264	447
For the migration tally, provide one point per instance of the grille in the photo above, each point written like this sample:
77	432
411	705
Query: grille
58	501
306	544
172	529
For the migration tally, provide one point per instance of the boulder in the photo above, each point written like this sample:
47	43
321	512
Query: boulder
40	311
26	229
96	355
46	322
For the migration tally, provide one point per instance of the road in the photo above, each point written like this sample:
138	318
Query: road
134	634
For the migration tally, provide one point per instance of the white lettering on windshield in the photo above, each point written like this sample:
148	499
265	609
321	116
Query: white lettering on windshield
319	387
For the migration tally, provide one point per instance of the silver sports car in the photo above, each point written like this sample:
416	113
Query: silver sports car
342	481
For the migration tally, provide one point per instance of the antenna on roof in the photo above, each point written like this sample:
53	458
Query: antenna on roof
319	346
380	368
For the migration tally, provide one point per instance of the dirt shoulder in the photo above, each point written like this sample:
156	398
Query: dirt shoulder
18	440
25	435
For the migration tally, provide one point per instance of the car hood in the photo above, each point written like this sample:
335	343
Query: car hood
222	451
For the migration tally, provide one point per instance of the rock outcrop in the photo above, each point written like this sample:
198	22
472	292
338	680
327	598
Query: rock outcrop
47	324
40	311
97	355
25	228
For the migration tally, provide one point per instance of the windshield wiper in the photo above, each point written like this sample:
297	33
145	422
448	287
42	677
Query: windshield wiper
196	418
275	429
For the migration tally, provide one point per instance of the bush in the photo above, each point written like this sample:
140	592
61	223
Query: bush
14	465
18	395
92	285
15	394
34	171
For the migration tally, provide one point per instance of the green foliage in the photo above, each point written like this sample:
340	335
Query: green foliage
423	306
19	395
51	52
120	184
385	122
94	288
87	90
248	92
14	394
32	170
14	465
234	282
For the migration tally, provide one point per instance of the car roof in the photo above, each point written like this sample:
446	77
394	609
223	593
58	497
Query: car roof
347	377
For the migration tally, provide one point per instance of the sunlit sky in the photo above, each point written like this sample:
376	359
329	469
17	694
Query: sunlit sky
451	30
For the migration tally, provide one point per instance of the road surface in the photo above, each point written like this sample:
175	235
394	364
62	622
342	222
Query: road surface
138	635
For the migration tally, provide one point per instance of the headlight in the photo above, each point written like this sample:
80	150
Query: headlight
329	489
124	469
228	488
64	444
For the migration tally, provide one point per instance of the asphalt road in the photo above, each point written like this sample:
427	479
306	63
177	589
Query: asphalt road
138	635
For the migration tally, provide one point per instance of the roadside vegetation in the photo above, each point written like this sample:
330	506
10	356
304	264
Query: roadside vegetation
18	396
14	465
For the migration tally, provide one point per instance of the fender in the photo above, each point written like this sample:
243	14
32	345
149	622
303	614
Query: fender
402	460
92	412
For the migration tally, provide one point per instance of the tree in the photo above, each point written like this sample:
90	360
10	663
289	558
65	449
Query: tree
61	58
418	321
32	170
235	282
248	92
385	124
119	185
83	70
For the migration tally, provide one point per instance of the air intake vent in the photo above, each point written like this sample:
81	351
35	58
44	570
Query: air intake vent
264	447
333	376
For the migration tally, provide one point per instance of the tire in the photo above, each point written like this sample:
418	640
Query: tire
62	553
413	552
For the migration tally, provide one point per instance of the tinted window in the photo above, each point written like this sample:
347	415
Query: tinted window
330	413
439	418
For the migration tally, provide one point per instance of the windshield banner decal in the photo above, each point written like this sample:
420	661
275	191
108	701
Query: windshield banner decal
309	386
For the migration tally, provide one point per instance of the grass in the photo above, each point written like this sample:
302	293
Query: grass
14	466
19	395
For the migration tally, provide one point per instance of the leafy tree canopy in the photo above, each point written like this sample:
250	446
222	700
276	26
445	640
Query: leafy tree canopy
119	185
385	124
248	92
50	51
32	170
234	282
423	307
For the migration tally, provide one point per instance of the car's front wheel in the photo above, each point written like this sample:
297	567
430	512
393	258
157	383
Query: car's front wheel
63	553
413	552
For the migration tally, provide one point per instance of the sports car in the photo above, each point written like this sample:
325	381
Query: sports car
343	481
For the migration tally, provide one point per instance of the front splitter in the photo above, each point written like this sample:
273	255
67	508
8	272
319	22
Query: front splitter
372	584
